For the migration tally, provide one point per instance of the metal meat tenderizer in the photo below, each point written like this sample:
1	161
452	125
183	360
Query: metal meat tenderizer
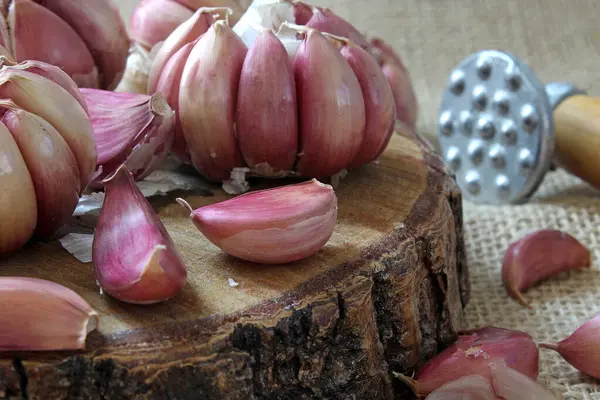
498	135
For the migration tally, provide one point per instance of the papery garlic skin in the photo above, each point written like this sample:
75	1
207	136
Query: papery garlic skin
267	84
538	256
582	348
134	256
207	101
273	226
18	223
51	164
131	129
39	315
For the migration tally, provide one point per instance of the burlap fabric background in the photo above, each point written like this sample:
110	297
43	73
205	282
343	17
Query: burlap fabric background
560	40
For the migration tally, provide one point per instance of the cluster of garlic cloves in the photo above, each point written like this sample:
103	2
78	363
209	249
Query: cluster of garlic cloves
89	40
48	152
325	102
131	129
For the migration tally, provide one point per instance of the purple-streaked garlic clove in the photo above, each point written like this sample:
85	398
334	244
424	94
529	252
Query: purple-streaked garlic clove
187	32
134	256
472	353
331	108
48	71
154	20
326	21
39	315
18	223
100	26
51	164
303	12
380	112
267	117
272	226
538	256
131	129
30	23
582	348
48	100
208	99
168	85
407	107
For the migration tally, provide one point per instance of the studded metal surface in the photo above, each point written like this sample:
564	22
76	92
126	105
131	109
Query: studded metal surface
495	128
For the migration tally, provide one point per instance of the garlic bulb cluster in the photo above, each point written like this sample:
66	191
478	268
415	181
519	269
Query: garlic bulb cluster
86	38
152	21
47	151
278	98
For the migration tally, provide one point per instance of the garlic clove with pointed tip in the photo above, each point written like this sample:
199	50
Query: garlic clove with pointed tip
134	256
154	20
273	226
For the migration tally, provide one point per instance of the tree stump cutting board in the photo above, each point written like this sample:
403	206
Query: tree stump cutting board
385	294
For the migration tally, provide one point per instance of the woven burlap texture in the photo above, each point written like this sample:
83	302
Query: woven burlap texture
560	40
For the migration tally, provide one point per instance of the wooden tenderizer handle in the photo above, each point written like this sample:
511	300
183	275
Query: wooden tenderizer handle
577	137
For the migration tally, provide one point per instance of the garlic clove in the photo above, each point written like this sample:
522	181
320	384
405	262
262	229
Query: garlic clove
168	85
51	72
40	315
51	164
274	226
42	97
185	33
472	353
134	256
267	120
582	348
131	129
380	113
153	21
471	387
100	26
29	25
383	52
331	108
510	384
407	107
302	12
538	256
207	101
325	20
18	223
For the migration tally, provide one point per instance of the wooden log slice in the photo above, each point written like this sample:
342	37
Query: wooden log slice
385	294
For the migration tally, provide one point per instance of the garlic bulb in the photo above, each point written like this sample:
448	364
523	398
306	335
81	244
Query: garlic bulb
275	97
48	153
88	38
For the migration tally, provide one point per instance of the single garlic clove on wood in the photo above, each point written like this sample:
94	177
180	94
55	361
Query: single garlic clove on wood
472	353
30	24
267	117
331	108
154	20
131	129
18	222
539	256
51	164
42	97
51	72
100	26
207	101
187	32
134	256
168	85
582	348
325	20
39	315
380	113
273	226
